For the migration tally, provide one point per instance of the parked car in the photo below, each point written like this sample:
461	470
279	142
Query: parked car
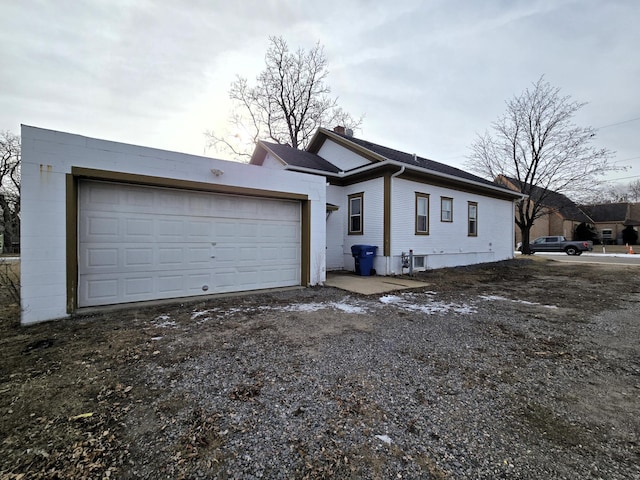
558	244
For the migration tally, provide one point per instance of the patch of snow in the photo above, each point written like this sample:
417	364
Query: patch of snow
493	297
345	307
167	324
303	307
195	315
156	338
523	302
439	307
384	438
390	299
165	321
415	302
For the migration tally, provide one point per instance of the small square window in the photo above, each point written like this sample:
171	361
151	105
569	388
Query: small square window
418	262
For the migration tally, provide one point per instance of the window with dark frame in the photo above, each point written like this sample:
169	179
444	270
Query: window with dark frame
422	214
446	209
473	219
355	214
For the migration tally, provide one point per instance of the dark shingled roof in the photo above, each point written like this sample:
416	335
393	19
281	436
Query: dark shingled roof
301	158
607	212
421	162
561	203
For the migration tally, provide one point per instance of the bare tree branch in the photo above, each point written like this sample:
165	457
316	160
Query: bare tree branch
10	156
290	100
538	148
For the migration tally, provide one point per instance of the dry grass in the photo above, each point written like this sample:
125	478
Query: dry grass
10	290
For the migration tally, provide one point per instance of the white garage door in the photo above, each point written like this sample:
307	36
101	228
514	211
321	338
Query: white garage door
145	243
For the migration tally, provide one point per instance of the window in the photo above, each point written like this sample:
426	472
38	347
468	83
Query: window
418	262
355	213
446	209
473	219
422	214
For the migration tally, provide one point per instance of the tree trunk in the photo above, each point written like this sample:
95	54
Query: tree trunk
525	231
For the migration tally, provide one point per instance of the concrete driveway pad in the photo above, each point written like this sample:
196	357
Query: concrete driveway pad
370	285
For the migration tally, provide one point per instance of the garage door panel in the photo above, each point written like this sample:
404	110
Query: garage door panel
138	257
137	229
171	284
143	243
170	257
269	254
170	230
102	257
100	227
104	290
289	254
138	286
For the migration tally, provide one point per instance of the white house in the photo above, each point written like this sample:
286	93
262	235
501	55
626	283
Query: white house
107	223
399	202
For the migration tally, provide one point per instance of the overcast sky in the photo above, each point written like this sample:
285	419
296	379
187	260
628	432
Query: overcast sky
427	75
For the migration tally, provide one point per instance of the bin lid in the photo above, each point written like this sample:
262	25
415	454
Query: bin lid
363	248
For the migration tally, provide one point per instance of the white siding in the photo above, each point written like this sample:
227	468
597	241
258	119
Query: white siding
341	157
448	243
47	158
372	220
336	227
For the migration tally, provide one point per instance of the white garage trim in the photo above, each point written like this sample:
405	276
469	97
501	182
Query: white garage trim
104	268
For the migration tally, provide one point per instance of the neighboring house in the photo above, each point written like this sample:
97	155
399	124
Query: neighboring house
399	202
559	215
107	223
610	219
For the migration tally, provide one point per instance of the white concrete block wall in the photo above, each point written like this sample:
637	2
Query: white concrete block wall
48	156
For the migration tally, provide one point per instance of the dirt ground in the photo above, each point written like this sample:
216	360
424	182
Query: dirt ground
76	400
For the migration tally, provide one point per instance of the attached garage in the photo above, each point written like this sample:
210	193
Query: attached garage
106	223
143	243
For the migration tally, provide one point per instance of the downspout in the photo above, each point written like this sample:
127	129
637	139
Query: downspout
397	174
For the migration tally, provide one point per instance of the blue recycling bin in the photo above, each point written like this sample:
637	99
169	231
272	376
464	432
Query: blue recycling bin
363	255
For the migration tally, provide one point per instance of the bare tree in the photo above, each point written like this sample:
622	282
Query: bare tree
288	103
634	190
9	189
538	148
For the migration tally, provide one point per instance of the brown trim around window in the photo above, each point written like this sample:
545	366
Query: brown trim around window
472	222
356	220
442	210
425	229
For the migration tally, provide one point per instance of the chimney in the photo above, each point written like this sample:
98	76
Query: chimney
339	129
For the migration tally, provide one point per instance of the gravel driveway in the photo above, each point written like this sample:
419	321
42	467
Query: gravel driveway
523	369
